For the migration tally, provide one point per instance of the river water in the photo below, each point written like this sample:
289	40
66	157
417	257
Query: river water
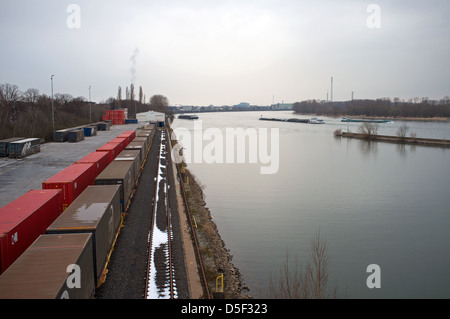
373	203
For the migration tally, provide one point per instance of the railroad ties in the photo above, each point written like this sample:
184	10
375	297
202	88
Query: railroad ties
160	283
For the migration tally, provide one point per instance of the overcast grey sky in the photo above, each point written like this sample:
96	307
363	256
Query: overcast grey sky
226	52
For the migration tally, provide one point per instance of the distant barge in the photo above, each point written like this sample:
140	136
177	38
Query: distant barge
348	119
188	117
310	121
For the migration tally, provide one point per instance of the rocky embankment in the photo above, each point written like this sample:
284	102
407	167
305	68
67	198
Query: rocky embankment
216	257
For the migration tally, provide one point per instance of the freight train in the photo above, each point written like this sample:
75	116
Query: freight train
56	242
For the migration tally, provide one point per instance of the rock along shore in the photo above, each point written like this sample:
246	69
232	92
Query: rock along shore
216	258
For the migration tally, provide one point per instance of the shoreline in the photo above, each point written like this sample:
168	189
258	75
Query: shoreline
390	118
396	139
216	257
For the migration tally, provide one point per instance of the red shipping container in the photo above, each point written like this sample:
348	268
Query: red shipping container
100	160
73	181
121	141
24	219
129	135
111	148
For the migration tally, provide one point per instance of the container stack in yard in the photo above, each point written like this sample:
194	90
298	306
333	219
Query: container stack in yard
117	117
24	148
75	136
105	126
61	135
4	145
24	219
90	130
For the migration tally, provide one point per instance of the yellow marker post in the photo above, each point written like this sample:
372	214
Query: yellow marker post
195	222
219	283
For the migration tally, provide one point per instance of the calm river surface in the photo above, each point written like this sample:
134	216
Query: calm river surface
374	203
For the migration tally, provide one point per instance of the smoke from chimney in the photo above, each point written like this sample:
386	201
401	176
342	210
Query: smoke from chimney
133	64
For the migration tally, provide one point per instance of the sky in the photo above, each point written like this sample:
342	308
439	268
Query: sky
208	52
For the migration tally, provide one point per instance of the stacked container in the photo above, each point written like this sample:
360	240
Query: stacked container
72	181
122	142
129	135
119	173
96	211
135	157
138	145
24	219
100	160
113	149
117	117
53	267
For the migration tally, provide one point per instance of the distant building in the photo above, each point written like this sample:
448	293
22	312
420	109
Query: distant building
152	117
242	104
281	106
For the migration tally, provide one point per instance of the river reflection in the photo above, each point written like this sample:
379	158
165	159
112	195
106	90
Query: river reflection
374	203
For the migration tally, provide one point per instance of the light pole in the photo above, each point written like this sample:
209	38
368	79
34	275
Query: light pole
53	109
90	105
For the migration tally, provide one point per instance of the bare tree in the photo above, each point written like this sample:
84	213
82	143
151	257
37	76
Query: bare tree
368	129
119	94
141	94
159	102
31	96
9	93
402	131
63	98
308	281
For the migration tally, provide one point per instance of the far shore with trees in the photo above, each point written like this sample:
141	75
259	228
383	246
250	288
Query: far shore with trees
416	108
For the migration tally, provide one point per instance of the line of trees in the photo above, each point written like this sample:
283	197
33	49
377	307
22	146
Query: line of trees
29	113
417	107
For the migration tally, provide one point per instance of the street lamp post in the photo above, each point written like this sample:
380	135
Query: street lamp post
90	105
53	107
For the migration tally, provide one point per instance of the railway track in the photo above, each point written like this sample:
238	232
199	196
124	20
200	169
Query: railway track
160	279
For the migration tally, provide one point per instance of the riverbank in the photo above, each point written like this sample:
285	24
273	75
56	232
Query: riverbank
216	257
396	139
